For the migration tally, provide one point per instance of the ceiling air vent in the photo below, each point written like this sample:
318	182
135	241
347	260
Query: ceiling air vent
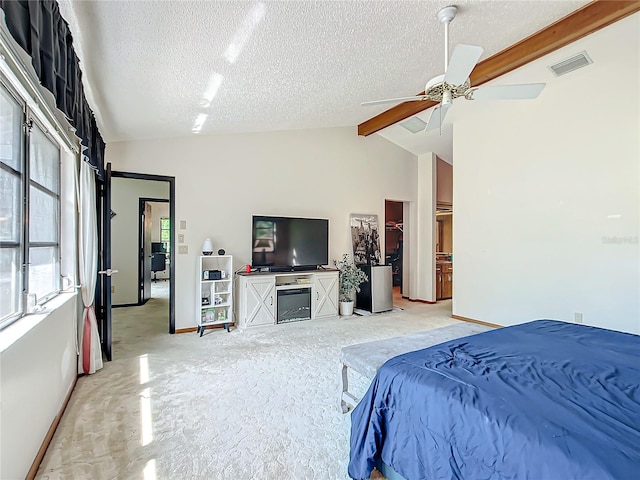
414	125
570	64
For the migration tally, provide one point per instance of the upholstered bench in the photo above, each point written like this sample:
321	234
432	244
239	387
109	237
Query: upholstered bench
366	358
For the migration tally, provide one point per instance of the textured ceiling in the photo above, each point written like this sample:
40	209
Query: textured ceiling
158	69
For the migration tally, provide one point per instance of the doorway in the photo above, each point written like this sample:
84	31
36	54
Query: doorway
394	242
143	227
444	231
154	246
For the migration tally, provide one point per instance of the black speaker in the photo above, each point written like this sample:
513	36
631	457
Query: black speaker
221	251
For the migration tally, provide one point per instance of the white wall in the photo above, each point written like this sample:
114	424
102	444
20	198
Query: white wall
541	187
424	251
37	370
125	195
222	180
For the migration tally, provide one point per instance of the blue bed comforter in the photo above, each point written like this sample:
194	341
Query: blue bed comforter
542	401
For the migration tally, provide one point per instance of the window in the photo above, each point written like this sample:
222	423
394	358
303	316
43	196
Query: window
29	209
11	183
165	233
44	215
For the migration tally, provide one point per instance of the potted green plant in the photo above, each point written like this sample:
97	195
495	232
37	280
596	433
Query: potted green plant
350	277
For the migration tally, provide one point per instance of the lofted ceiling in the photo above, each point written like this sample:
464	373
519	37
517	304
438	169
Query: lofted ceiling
157	69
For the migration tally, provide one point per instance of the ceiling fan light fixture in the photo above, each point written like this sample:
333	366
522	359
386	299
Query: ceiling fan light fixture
447	98
455	82
435	88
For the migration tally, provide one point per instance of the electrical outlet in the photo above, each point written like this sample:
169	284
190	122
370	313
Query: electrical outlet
183	249
181	238
183	224
113	289
577	317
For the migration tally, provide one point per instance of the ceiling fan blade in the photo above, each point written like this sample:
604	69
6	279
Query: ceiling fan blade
395	100
506	92
437	117
462	61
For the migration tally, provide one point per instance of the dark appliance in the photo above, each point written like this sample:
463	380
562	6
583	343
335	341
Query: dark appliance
376	294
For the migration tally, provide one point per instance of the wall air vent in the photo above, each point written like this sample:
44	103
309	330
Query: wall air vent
414	124
570	64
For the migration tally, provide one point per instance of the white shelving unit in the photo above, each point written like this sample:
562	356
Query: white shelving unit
215	291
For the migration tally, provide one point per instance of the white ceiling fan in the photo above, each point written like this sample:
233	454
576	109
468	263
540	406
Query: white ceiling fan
455	81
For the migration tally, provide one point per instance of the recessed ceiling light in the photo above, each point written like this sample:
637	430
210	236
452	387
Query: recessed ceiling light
414	124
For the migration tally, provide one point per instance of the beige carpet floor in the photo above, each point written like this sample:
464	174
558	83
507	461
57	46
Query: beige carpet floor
258	404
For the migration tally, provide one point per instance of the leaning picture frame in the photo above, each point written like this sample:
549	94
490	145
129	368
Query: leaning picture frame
365	238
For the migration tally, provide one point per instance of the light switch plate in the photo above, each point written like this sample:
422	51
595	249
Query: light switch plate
181	238
183	224
183	249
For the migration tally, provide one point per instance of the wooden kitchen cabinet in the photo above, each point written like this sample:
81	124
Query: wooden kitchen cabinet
444	280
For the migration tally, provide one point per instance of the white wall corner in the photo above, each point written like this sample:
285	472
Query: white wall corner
424	245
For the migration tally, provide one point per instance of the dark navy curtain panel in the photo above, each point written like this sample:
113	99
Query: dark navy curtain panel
40	30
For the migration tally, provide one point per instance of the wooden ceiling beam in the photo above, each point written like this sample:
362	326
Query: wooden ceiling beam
584	21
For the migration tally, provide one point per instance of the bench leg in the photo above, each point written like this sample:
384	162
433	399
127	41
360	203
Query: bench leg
346	398
344	388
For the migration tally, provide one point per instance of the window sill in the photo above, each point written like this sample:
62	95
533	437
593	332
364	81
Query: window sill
22	326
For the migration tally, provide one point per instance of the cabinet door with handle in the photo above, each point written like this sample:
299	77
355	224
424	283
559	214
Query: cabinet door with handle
325	294
438	286
447	285
260	301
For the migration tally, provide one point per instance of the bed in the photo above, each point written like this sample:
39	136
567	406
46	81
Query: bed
542	400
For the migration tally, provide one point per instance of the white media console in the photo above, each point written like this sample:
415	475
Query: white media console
270	298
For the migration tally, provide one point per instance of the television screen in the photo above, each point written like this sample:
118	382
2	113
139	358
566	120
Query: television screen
289	242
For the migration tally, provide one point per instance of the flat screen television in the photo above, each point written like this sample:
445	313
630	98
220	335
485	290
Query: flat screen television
282	243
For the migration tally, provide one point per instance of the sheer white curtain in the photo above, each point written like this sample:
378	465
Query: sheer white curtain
90	358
